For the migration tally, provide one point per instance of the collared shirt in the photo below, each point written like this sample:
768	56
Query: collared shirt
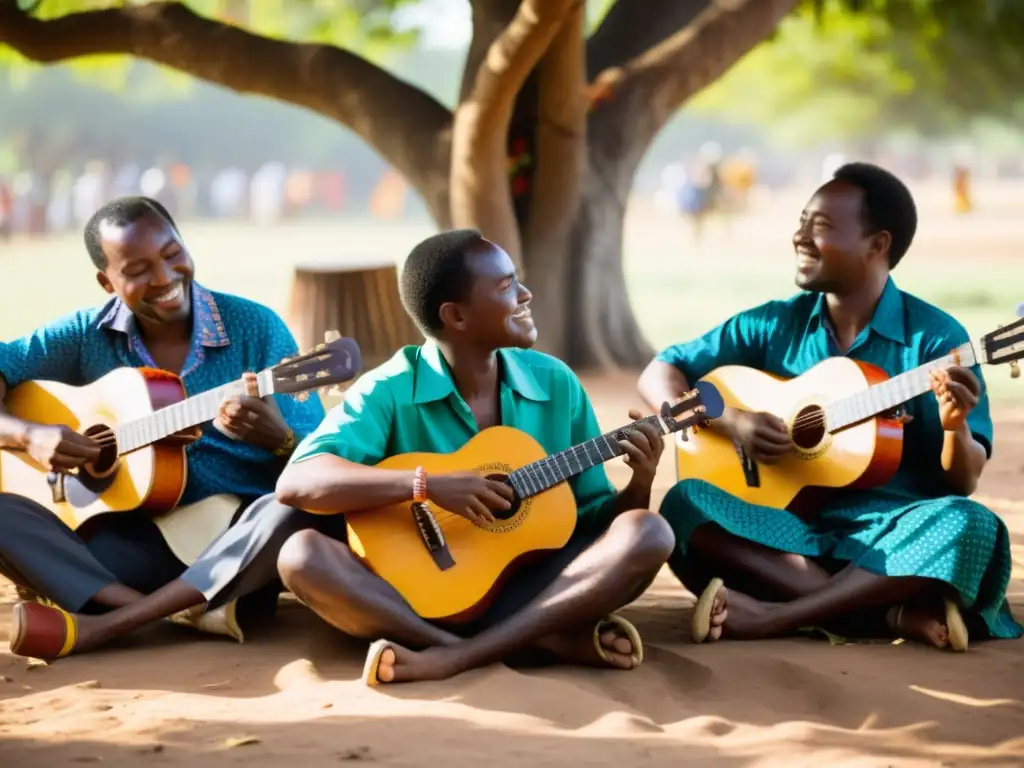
410	404
231	335
786	338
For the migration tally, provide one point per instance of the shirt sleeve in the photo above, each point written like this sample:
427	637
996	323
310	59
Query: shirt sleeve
592	489
979	420
358	429
740	340
301	416
51	353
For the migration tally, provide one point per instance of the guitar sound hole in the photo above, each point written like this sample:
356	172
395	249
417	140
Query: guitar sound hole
107	460
809	427
516	501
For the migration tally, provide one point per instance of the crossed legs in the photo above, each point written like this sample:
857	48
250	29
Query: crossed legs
606	575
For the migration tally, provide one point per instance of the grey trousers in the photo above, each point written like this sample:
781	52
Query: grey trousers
40	553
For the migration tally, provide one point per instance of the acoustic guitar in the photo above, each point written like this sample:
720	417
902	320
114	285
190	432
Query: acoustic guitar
447	567
844	416
135	413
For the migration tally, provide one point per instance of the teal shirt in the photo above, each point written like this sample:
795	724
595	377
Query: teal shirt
786	338
410	404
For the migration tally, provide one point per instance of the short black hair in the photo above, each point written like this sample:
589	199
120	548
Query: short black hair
435	272
888	205
120	212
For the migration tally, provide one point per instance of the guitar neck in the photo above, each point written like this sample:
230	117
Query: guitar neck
893	392
195	410
548	472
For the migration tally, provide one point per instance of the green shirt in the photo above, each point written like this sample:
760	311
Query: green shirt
786	338
410	404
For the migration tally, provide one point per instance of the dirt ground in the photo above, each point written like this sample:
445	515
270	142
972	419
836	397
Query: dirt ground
291	693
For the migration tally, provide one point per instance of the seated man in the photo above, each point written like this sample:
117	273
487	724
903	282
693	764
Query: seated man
476	371
917	547
158	317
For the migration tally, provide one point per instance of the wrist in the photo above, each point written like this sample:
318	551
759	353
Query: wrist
15	433
287	444
419	486
962	431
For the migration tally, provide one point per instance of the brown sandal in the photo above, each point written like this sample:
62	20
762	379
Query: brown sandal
42	631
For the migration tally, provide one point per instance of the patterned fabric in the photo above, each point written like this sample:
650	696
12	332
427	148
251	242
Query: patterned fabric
410	404
231	335
912	526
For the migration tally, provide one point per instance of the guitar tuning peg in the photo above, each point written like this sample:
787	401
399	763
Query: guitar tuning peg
286	360
332	335
1014	369
334	391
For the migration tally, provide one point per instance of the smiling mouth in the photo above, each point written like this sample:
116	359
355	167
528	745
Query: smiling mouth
522	314
171	294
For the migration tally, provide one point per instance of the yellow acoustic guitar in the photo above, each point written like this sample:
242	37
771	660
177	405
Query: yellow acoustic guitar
447	567
843	417
135	413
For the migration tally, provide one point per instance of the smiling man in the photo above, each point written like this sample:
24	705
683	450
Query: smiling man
917	551
88	591
477	370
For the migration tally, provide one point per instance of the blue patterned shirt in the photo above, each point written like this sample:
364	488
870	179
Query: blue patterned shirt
787	338
231	335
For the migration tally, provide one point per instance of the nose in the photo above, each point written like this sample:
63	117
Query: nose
162	275
524	294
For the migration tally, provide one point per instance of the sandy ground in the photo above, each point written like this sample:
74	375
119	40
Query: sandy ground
291	694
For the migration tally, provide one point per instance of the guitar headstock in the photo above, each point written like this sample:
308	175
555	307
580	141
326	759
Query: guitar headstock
334	362
700	404
1005	345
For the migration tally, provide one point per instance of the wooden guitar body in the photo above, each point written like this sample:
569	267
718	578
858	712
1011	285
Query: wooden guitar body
863	455
152	477
389	540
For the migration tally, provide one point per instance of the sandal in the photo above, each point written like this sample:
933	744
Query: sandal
614	621
372	664
42	631
700	627
955	625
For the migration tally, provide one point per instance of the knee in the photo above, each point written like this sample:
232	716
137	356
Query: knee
967	518
299	556
651	541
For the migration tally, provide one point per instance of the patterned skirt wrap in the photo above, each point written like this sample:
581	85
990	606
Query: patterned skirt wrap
951	539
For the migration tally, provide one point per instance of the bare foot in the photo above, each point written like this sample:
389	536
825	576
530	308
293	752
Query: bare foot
739	616
578	648
923	624
400	665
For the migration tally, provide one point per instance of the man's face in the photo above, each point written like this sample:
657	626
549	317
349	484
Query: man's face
496	312
148	268
833	250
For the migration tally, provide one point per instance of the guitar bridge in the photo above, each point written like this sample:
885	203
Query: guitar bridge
749	466
432	536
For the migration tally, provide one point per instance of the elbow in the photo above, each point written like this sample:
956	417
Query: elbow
289	487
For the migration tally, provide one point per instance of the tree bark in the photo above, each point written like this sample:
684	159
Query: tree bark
480	193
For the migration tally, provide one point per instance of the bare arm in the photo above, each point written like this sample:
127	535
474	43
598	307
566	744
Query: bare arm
329	485
963	460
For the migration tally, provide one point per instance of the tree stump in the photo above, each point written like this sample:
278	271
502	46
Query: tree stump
359	299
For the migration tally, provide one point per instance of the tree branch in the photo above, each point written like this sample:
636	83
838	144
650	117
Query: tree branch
631	28
480	194
406	126
643	94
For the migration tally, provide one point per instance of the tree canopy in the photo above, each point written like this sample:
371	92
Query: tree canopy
850	68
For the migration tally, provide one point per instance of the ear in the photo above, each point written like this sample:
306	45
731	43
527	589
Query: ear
104	281
452	316
881	242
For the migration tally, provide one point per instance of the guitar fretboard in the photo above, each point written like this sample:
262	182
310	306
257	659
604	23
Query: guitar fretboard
558	467
888	394
198	409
